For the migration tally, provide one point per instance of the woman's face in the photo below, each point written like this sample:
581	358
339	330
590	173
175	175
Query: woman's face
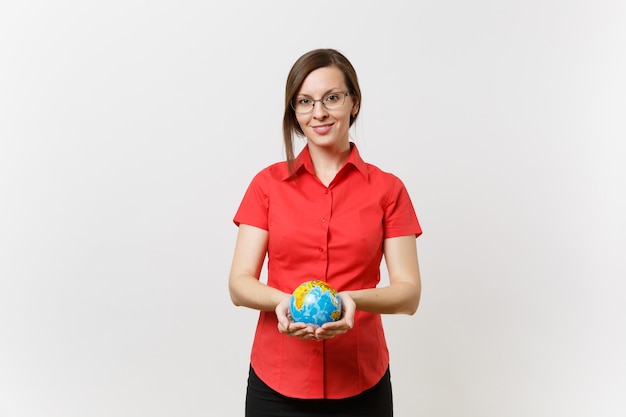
323	127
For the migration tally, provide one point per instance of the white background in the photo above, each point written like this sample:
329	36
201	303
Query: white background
129	131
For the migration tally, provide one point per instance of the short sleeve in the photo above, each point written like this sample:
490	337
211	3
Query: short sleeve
400	218
253	209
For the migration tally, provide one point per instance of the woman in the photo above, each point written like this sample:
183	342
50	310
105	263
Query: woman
326	215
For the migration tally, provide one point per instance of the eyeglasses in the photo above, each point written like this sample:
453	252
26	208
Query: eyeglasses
331	101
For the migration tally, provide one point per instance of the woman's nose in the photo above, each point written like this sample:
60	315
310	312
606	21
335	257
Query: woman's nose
319	111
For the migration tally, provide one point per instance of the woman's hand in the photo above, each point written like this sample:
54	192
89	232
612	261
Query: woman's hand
309	332
286	326
332	329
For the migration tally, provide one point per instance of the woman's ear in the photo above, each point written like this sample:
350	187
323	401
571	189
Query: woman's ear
355	110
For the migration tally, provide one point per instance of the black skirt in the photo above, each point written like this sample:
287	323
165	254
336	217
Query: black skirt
262	401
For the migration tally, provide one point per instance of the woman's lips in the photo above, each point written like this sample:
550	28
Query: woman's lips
322	129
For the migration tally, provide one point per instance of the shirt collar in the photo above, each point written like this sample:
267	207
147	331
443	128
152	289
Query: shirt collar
303	160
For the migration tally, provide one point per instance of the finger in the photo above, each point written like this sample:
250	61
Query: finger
341	325
348	316
283	327
300	330
284	323
306	335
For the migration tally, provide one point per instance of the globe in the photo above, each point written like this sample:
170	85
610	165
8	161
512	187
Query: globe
315	302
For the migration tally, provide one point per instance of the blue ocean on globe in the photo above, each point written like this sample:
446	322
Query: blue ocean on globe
315	302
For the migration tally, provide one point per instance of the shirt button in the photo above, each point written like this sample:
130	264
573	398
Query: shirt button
323	219
326	191
321	250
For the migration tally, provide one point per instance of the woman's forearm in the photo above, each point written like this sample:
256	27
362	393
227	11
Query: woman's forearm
247	291
398	298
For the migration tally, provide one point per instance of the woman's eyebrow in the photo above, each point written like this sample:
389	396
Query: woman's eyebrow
332	90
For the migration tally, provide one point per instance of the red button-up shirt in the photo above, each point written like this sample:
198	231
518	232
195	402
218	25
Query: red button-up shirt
335	234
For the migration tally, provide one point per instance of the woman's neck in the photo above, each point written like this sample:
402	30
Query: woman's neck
328	161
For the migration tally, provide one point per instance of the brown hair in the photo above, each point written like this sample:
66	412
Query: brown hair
306	64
